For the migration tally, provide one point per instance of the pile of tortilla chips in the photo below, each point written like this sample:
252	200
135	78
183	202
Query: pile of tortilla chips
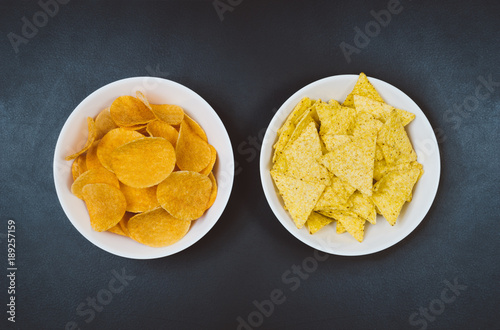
345	163
145	171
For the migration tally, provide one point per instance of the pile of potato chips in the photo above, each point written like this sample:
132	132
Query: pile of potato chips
345	163
145	171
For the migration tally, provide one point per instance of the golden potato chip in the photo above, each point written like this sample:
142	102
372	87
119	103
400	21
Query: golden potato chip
301	157
79	166
116	229
140	96
141	128
112	140
96	175
353	162
213	193
317	221
92	161
213	158
299	196
129	111
143	162
353	224
192	152
340	229
105	203
157	228
124	222
168	113
362	87
363	206
185	194
90	139
104	123
157	128
394	141
140	199
392	191
381	110
335	196
195	127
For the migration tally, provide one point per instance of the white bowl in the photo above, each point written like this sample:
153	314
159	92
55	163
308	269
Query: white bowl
74	133
382	235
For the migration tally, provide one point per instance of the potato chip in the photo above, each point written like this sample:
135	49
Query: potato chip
301	157
213	193
353	162
157	128
129	111
90	139
362	87
140	199
394	141
185	194
116	229
97	175
143	162
92	161
363	206
192	152
168	113
213	157
353	224
299	196
381	110
112	140
157	228
317	221
79	166
105	203
104	123
124	222
140	96
392	191
195	127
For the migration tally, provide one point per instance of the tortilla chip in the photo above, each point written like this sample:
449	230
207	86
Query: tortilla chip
299	196
363	206
362	87
335	196
340	229
317	221
332	141
394	142
365	124
353	224
381	110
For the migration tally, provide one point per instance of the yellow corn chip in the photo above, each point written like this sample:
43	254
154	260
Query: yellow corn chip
335	196
143	162
97	175
185	194
105	203
157	128
129	111
335	119
340	229
192	152
391	192
381	110
362	87
112	140
334	140
104	123
365	124
353	162
394	141
301	157
317	221
363	206
353	224
140	199
157	228
90	139
283	139
299	196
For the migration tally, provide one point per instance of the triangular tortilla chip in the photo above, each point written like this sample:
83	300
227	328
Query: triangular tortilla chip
340	229
364	124
363	206
301	157
335	119
317	221
394	142
335	196
352	223
353	162
332	141
299	196
392	191
381	110
362	87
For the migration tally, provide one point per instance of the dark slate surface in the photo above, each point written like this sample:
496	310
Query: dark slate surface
445	275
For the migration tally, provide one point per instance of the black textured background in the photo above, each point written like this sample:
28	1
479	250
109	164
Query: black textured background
246	66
